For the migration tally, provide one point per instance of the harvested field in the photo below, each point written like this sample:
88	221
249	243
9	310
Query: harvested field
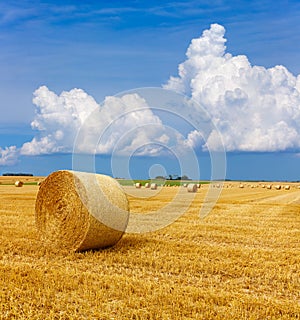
240	262
9	180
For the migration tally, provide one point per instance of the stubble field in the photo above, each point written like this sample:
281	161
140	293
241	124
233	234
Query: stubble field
241	262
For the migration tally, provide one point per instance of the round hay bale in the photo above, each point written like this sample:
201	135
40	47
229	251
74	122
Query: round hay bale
147	185
138	185
19	184
76	211
287	187
192	187
269	186
263	186
185	185
241	186
153	186
278	187
198	185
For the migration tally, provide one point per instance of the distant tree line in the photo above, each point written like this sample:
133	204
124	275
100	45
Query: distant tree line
173	177
17	174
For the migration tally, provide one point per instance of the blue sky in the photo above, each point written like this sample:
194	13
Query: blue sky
105	48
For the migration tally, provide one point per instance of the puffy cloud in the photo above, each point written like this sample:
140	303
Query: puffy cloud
74	121
124	123
254	108
194	139
8	156
121	124
57	120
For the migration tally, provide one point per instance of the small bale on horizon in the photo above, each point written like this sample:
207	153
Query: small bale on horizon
19	184
192	187
153	186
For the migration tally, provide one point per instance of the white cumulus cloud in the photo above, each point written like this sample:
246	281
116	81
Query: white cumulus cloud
254	108
123	123
8	156
75	120
57	120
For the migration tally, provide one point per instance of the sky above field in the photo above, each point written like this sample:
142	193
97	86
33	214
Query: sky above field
236	63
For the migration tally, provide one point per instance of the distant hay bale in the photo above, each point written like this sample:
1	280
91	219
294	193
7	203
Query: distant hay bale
278	187
241	186
153	186
19	184
76	211
147	185
287	187
185	185
269	186
198	185
191	187
138	185
263	186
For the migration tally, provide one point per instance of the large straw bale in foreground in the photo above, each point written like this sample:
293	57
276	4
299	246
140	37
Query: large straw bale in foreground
77	211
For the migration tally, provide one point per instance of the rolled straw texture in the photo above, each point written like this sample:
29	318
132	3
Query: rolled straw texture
76	211
19	184
192	187
153	186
